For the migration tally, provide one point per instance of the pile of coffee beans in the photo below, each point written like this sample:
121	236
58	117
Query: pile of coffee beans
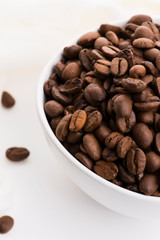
102	103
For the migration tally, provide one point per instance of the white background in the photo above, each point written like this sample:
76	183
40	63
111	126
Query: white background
46	204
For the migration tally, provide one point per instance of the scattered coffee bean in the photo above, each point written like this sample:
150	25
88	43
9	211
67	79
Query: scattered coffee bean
103	102
6	224
7	100
17	154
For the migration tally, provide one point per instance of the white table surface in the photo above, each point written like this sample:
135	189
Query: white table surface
46	204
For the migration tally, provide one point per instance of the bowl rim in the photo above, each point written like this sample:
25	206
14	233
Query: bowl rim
40	109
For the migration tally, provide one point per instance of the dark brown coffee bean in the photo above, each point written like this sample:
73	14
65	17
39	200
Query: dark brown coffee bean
143	32
150	104
151	54
90	109
102	132
72	52
100	42
139	19
88	39
69	109
125	124
80	105
94	94
63	127
153	28
133	85
78	120
149	184
123	44
61	97
106	170
113	139
142	135
74	137
71	71
54	122
119	67
108	27
84	59
6	224
72	148
153	162
92	146
148	78
145	117
48	86
102	67
123	146
82	149
53	108
157	121
143	43
157	85
94	120
149	67
125	176
112	37
59	67
96	55
142	96
109	154
84	159
7	100
137	71
17	154
122	105
110	51
135	161
131	27
72	86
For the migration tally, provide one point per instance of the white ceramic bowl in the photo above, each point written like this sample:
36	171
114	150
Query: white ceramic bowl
104	192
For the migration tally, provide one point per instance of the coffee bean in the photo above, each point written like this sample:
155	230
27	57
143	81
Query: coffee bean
84	59
53	108
7	100
148	184
158	61
143	32
157	85
131	27
71	71
112	37
108	27
48	86
132	187
148	78
84	159
78	120
137	71
102	132
100	42
125	176
125	125
142	135
139	19
74	137
113	139
58	68
133	85
106	170
102	67
143	43
119	66
17	154
146	117
92	146
150	104
109	154
157	142
94	120
6	224
63	127
151	54
88	39
153	28
135	161
153	162
94	94
54	122
123	146
122	105
72	86
61	97
110	51
69	109
72	52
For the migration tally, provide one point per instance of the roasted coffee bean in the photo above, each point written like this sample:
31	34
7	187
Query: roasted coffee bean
119	67
137	71
148	78
113	139
69	109
82	149
72	86
123	146
94	94
54	122
153	28
17	154
125	176
84	59
96	55
153	162
157	85
71	71
100	42
142	135
148	184
157	121
63	127
78	120
149	67
133	85
139	19
48	86
61	97
102	67
72	52
123	44
143	32
131	27
94	120
110	51
92	146
122	105
6	224
135	161
151	54
53	108
157	142
74	137
142	96
84	159
88	39
150	104
125	124
158	62
90	109
108	27
59	67
145	117
109	154
143	43
106	170
112	37
102	132
7	100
